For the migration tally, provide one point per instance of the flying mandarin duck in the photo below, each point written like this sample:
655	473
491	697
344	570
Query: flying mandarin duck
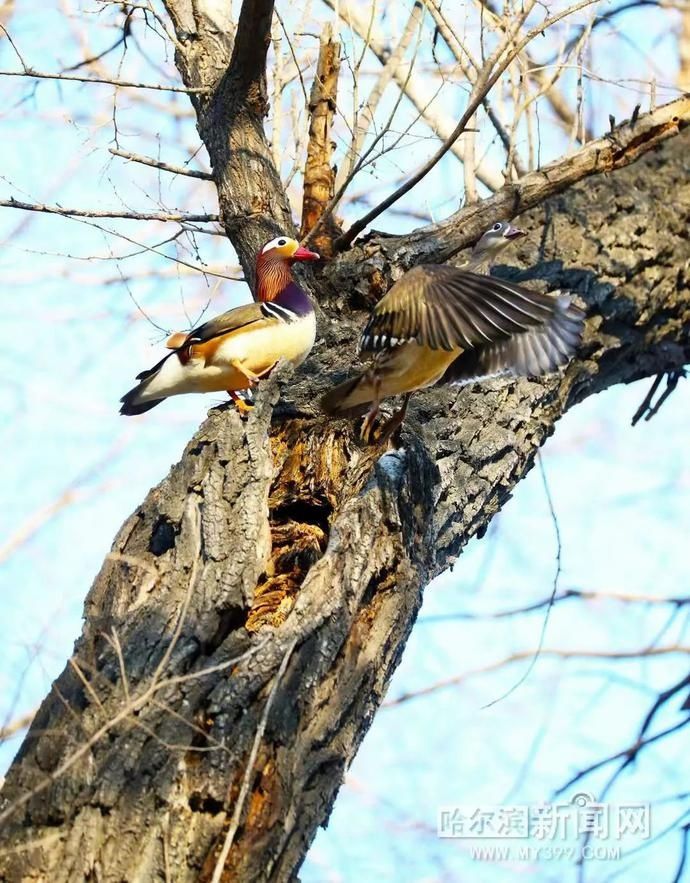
232	352
455	325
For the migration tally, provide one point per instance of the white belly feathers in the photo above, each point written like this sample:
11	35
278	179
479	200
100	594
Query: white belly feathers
259	348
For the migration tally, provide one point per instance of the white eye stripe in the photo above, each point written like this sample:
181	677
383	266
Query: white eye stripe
278	242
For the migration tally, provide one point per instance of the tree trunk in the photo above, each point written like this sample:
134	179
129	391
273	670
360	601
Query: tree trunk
243	630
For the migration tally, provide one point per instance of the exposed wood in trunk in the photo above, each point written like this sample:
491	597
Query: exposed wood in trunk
319	174
684	50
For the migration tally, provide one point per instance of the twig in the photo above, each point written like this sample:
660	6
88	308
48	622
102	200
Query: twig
20	723
565	595
536	73
685	830
618	655
646	409
628	753
178	217
249	769
469	66
486	173
158	164
545	622
481	89
365	119
92	59
136	703
13	45
124	84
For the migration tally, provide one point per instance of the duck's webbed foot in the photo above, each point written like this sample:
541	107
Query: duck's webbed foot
369	424
242	400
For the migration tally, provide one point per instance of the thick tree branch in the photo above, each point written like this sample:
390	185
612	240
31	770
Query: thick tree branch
283	532
228	65
370	267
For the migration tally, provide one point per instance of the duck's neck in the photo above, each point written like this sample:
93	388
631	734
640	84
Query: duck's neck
273	276
275	282
478	262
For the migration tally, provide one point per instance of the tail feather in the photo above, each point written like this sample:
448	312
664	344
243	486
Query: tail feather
131	406
133	402
348	399
149	372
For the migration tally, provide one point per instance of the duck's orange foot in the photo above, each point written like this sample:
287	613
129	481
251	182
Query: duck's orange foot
242	401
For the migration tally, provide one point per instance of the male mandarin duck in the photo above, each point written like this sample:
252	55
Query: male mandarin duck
232	352
452	324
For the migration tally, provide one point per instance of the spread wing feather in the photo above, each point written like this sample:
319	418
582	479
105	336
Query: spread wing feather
538	351
445	308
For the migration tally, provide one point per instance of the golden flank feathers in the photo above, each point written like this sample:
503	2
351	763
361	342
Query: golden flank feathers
176	340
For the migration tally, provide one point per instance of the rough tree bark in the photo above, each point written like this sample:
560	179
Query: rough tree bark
242	631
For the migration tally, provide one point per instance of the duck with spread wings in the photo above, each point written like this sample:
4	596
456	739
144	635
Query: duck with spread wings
455	325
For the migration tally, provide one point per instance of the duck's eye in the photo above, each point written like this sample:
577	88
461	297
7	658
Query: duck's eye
282	242
496	227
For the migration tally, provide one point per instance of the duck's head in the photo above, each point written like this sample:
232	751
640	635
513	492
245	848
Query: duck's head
273	264
496	238
283	248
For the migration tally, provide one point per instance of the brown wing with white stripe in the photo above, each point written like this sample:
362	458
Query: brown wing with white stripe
446	308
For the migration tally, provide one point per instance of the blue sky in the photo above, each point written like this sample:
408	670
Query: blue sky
74	470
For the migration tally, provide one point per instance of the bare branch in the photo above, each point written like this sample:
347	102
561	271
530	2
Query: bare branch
123	84
179	217
158	164
627	754
439	242
365	118
249	771
559	104
486	173
16	726
556	652
484	84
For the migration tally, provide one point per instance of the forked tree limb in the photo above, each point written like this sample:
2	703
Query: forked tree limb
229	65
283	532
